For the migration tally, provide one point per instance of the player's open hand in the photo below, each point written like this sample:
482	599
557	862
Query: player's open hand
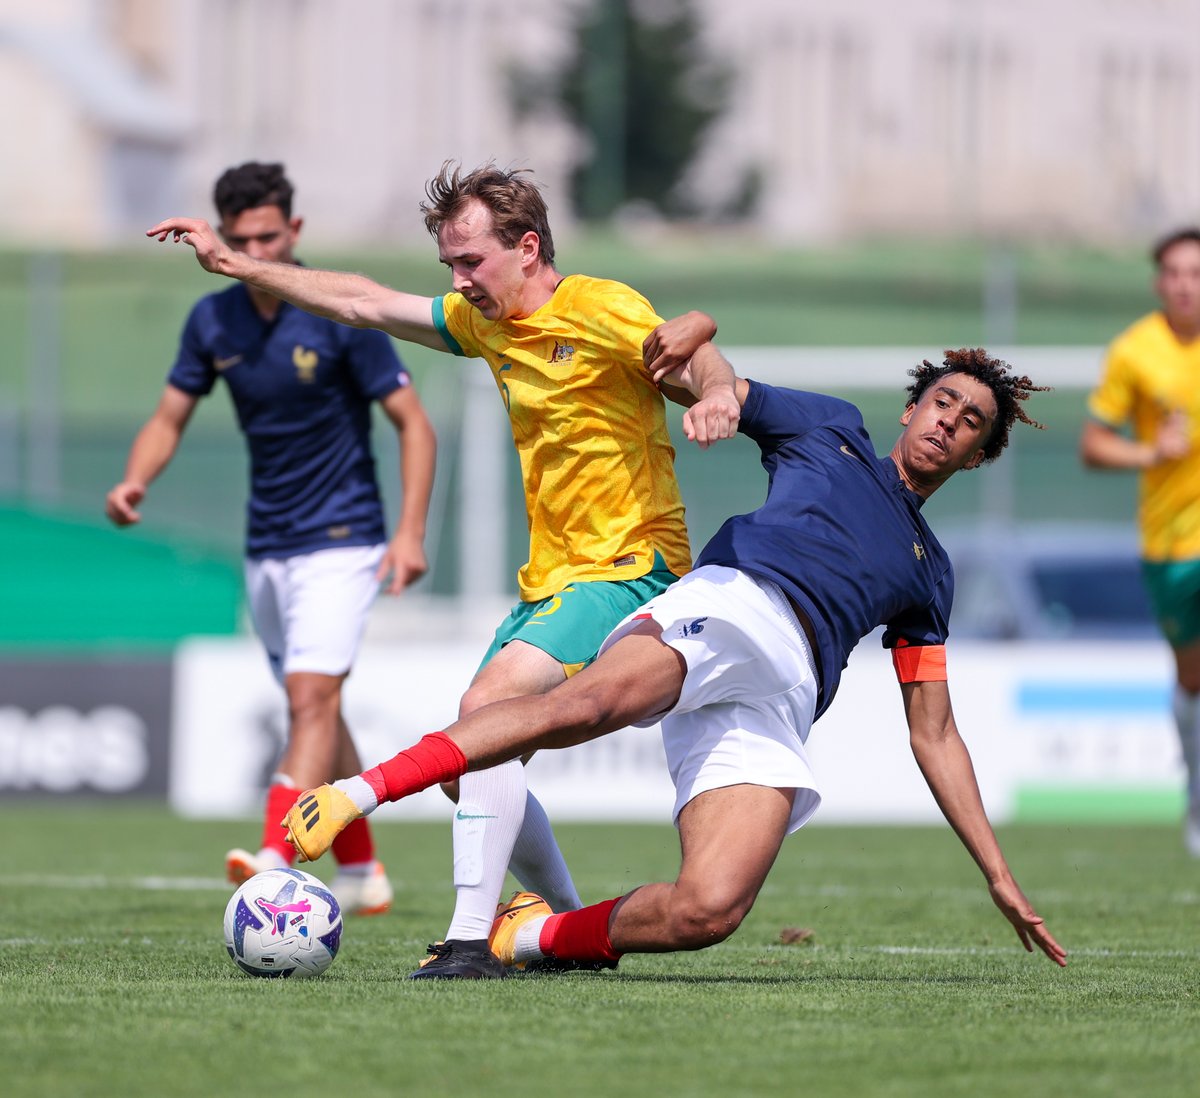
673	342
198	234
120	505
404	562
1029	925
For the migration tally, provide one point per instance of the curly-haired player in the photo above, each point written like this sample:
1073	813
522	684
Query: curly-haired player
739	658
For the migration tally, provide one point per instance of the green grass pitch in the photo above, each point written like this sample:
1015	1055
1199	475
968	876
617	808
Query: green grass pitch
114	980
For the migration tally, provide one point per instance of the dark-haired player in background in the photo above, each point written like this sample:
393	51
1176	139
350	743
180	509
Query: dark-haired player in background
1151	381
742	655
317	549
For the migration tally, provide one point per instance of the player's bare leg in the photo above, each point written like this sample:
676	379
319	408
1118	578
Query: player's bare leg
314	716
314	709
729	839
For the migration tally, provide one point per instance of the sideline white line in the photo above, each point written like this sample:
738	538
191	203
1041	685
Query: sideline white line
148	884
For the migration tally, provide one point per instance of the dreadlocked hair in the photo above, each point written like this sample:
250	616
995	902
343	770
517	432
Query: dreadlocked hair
1009	389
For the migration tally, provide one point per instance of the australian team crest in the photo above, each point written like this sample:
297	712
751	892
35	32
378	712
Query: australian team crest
563	352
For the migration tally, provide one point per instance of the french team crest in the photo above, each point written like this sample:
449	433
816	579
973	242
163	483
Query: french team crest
305	361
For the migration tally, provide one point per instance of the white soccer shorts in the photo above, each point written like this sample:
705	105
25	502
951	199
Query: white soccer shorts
310	610
750	691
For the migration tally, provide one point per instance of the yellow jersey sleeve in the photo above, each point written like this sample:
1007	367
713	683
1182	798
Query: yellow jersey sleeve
1113	400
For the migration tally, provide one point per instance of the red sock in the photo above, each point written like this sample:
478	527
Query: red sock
279	799
432	759
580	935
354	845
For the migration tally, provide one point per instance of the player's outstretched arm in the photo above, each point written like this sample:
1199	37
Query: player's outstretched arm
946	766
151	452
339	295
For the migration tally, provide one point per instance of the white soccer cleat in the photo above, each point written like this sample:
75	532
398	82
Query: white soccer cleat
241	865
363	893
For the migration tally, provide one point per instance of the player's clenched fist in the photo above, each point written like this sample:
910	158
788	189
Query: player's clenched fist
120	505
316	819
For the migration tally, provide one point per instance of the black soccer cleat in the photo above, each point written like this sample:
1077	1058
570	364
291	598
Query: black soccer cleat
459	960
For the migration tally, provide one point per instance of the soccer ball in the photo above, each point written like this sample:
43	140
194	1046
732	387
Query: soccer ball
283	922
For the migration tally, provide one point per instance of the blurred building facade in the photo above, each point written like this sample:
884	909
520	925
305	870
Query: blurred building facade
1076	120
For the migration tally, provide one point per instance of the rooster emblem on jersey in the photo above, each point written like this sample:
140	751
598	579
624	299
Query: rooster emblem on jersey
305	362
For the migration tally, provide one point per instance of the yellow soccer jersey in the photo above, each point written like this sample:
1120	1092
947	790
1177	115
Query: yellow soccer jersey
590	430
1147	374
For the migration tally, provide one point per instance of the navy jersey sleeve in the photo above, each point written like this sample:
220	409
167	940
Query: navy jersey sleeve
374	364
771	416
193	371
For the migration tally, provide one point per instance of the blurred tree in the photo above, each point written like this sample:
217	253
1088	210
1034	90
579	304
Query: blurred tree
641	87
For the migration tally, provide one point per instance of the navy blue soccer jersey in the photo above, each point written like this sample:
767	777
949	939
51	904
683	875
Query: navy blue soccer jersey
302	387
839	531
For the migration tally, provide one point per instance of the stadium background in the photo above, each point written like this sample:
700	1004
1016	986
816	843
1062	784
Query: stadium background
929	177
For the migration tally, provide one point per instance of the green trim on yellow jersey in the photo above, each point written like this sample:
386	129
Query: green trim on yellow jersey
439	322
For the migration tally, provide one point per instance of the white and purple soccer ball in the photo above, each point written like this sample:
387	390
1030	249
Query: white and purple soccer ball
283	923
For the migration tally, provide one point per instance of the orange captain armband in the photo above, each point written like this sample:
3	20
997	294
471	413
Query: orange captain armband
919	663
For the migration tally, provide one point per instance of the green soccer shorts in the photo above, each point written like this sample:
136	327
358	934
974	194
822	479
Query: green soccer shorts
572	624
1174	587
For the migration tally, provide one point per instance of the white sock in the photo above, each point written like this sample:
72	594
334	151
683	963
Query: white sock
359	790
538	863
269	858
527	946
487	819
1186	708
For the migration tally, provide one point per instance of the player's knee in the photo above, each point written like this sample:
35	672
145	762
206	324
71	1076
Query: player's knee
477	697
308	704
700	921
451	790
